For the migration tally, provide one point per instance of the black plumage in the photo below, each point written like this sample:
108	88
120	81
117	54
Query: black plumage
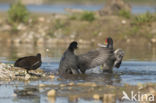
29	62
68	63
105	56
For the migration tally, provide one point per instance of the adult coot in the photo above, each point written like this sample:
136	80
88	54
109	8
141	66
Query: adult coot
105	56
29	62
68	63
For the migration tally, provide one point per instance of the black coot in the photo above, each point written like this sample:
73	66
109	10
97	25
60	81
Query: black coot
105	56
29	62
68	63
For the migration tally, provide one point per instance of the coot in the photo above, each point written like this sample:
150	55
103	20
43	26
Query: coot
68	63
29	62
105	56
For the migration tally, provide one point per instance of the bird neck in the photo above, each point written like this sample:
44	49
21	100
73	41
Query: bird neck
71	49
110	46
39	57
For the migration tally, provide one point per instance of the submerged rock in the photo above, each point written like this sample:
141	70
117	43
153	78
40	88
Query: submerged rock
51	93
27	92
96	96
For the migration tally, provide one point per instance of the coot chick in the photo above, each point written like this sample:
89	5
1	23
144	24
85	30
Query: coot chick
29	62
68	63
105	56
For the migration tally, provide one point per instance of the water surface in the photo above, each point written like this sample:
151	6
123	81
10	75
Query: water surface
139	66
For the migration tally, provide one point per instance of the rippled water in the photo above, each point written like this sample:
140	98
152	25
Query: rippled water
139	63
131	72
139	66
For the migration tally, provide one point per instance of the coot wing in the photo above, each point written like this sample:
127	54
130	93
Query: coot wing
88	57
95	57
21	62
104	54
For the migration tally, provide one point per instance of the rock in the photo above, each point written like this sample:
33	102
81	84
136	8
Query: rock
62	85
109	98
87	84
51	99
51	93
41	19
27	92
5	73
153	40
9	72
52	76
5	27
114	6
47	50
42	85
96	96
123	21
71	84
21	27
27	76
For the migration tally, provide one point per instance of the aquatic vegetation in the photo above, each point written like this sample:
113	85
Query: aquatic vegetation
124	13
59	24
18	13
14	28
143	18
73	17
88	16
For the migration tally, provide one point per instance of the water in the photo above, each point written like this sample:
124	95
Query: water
138	67
59	8
131	72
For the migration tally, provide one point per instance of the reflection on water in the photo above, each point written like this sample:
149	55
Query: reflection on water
12	52
131	72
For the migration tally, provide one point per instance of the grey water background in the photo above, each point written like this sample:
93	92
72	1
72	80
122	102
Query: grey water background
139	64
